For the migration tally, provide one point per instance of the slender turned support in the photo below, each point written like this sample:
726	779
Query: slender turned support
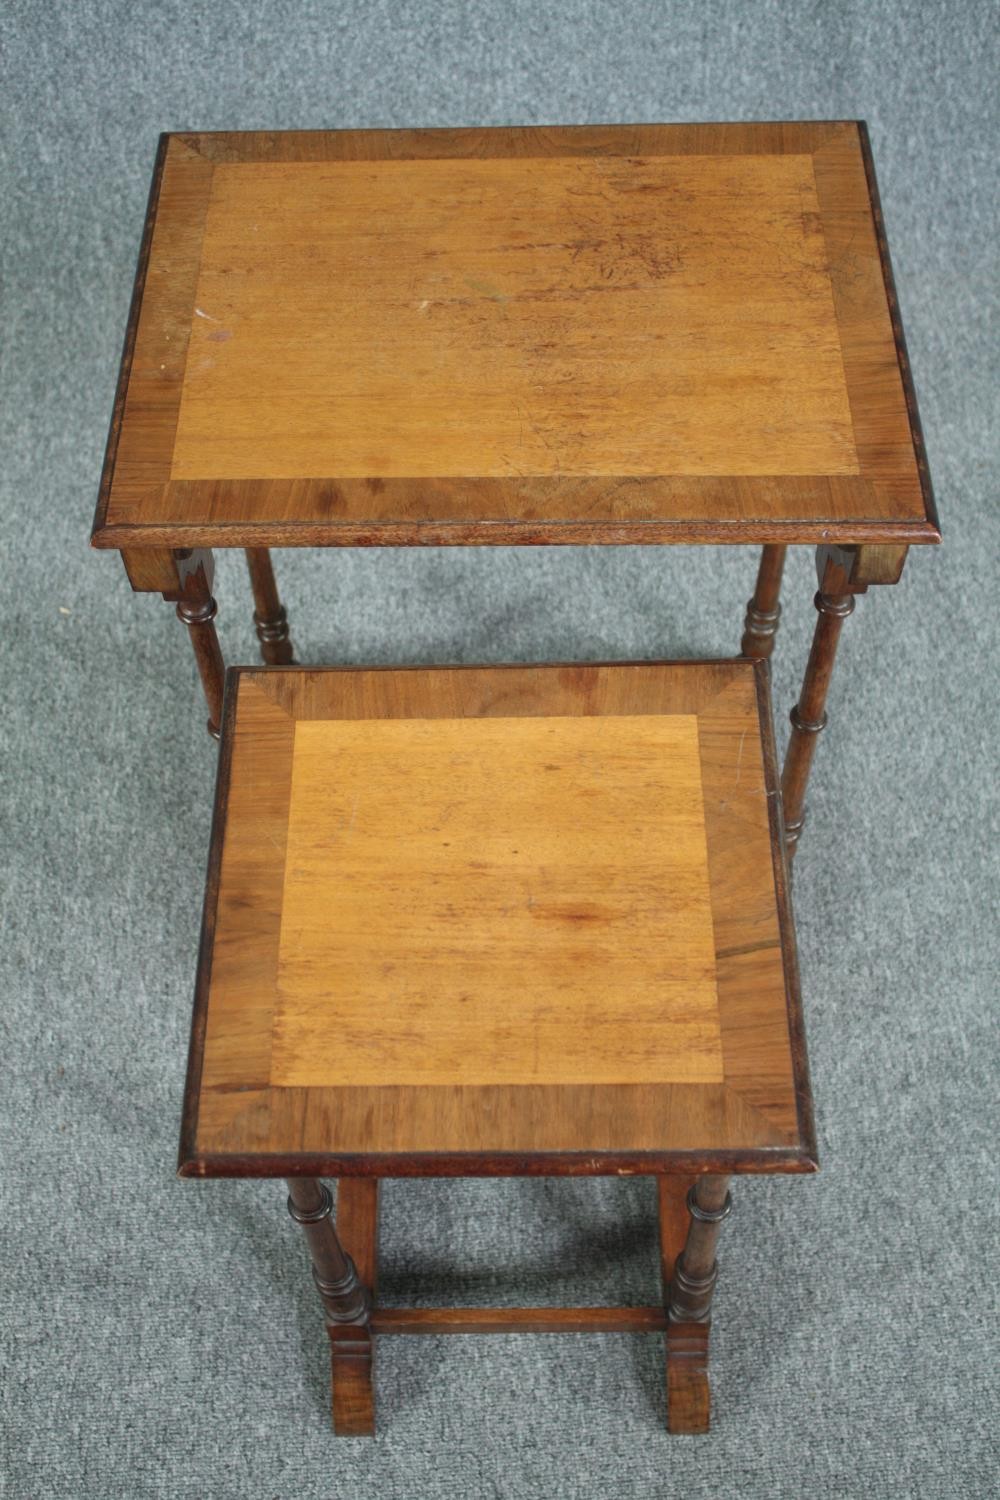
809	714
269	613
764	609
689	1307
695	1272
842	573
184	577
197	609
346	1304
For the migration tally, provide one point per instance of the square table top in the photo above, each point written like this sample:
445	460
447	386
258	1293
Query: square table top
595	334
495	920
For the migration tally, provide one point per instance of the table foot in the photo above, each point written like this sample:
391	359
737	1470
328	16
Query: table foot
352	1355
689	1395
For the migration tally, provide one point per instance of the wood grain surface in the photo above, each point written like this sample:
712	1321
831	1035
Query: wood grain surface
477	901
437	1320
655	1027
646	334
475	318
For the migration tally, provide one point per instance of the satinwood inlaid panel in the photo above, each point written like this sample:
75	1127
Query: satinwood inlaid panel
497	919
477	318
476	901
638	334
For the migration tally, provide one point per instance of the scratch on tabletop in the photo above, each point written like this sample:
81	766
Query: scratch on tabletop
739	758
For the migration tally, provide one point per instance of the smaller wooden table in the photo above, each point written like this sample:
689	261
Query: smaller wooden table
493	921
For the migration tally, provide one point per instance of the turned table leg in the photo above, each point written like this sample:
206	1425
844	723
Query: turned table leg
809	714
764	609
269	615
689	1308
346	1305
184	577
197	609
842	573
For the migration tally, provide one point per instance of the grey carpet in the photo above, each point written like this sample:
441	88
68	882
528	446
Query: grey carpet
161	1338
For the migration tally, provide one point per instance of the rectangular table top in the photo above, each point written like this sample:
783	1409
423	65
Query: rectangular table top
494	920
594	334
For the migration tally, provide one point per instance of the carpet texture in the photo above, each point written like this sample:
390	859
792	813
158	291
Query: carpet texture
162	1338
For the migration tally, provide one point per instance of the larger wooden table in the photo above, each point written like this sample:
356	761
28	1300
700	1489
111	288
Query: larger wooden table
654	334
